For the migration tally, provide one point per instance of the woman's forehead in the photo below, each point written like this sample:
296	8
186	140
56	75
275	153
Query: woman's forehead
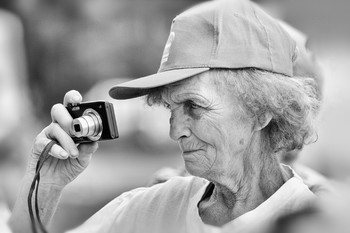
202	84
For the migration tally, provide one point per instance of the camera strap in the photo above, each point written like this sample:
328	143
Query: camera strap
35	186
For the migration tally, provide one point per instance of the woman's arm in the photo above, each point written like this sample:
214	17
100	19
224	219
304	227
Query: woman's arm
48	198
66	162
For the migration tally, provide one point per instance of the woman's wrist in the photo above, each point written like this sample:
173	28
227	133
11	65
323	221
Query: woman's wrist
45	184
48	196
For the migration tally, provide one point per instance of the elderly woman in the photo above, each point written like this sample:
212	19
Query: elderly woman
306	65
226	75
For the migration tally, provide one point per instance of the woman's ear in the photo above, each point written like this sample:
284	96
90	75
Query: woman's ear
262	121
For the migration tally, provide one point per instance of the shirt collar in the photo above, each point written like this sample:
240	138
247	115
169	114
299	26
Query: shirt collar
291	196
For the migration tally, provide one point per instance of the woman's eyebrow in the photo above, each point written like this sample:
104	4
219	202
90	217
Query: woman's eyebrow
199	98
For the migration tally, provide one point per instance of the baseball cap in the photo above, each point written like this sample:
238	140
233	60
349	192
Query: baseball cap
228	34
305	64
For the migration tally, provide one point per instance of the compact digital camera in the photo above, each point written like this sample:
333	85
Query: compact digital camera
93	121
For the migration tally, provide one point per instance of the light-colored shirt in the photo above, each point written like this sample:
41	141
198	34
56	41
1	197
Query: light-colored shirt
172	207
4	217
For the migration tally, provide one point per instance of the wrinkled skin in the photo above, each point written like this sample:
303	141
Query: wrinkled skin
210	127
221	143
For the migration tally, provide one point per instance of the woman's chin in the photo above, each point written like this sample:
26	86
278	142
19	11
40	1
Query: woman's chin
194	166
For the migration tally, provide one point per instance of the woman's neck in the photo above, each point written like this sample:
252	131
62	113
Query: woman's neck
235	196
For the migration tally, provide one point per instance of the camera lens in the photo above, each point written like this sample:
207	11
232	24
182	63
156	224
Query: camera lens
77	128
88	125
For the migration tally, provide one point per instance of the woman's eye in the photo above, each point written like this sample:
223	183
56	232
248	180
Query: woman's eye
192	109
192	105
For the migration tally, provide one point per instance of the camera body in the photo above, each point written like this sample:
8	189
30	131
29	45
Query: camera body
92	121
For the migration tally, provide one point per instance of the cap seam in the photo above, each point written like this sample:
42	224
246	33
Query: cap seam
267	37
215	37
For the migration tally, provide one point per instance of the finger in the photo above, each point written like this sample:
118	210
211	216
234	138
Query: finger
85	152
56	151
54	131
72	97
88	148
60	115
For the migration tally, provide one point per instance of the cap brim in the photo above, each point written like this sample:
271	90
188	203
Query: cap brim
143	86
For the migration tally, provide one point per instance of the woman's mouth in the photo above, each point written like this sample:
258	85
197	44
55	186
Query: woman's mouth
190	152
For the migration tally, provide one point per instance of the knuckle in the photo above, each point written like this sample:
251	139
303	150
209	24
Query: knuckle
39	144
35	145
55	126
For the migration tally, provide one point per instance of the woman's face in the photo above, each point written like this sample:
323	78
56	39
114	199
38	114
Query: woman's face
210	126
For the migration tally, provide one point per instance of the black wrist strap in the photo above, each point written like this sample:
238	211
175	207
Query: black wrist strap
35	186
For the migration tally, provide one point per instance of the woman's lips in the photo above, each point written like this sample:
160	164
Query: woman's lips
189	147
187	152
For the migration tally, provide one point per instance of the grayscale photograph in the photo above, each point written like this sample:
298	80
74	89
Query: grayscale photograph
164	116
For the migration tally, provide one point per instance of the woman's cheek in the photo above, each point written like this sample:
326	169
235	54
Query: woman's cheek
208	132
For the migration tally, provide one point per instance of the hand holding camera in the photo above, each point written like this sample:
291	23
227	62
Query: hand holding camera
72	122
61	151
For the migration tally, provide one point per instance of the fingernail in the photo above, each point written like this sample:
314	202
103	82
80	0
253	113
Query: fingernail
74	153
76	98
64	154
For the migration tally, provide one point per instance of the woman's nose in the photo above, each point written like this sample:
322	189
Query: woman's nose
179	124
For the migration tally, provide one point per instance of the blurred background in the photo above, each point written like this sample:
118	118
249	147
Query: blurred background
50	47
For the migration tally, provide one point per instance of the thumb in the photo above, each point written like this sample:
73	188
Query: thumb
85	152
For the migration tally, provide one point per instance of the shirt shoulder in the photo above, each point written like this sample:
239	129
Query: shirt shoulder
317	183
4	216
162	205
